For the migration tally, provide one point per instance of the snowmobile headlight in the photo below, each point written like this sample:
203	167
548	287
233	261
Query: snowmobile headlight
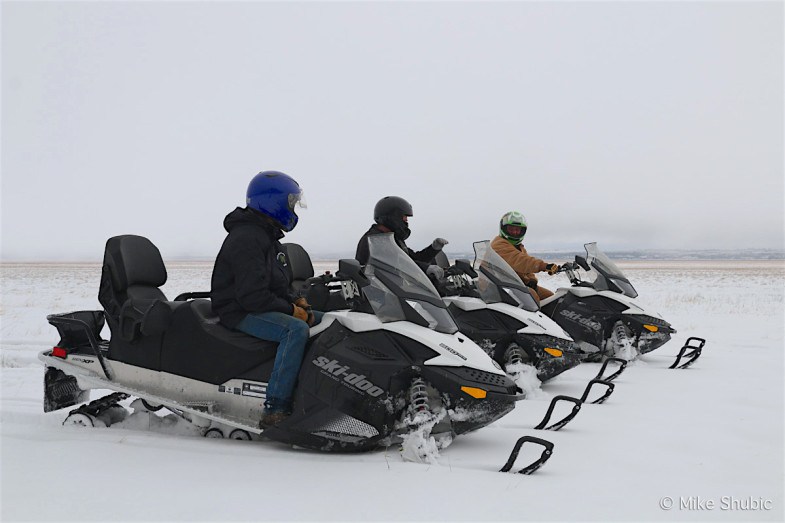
474	392
556	353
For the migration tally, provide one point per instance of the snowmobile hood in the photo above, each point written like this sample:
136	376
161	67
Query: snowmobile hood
245	216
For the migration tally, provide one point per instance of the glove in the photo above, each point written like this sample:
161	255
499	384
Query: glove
302	302
552	268
439	243
435	272
300	313
532	284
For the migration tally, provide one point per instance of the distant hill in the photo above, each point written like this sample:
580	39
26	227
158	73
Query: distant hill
631	255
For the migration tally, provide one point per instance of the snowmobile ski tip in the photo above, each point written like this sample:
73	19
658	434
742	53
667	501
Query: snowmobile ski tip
610	386
621	362
545	456
693	354
559	424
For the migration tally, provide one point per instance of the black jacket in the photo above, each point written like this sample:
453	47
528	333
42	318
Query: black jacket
423	258
250	272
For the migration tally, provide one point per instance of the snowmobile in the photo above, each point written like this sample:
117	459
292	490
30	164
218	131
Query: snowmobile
599	310
392	363
494	308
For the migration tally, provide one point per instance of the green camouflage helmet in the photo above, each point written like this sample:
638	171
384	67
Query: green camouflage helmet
515	219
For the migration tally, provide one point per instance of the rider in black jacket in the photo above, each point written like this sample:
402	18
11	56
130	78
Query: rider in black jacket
250	284
391	214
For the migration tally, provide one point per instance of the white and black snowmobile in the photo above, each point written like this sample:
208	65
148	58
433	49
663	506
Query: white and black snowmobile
601	314
393	363
493	306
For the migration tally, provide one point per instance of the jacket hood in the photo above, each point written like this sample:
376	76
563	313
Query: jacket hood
245	216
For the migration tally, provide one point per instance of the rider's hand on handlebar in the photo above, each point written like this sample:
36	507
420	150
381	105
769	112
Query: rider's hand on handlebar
299	313
439	243
552	268
302	302
434	271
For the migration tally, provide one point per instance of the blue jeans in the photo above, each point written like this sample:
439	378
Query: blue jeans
291	335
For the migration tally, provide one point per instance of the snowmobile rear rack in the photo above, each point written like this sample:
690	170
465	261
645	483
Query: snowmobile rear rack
192	295
693	354
621	362
610	386
565	420
63	321
546	455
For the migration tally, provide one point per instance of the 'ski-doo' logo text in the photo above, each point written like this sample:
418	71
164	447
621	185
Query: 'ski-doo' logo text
357	381
450	349
577	318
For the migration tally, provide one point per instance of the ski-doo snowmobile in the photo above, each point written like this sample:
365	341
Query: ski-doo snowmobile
372	374
599	310
493	306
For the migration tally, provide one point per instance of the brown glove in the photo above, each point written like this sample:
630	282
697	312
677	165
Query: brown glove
552	268
300	313
302	302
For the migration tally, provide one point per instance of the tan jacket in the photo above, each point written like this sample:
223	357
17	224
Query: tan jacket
518	258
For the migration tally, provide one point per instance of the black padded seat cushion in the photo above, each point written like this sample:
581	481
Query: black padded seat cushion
197	346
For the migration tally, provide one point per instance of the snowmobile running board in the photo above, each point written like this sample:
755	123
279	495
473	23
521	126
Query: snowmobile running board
546	455
691	356
621	362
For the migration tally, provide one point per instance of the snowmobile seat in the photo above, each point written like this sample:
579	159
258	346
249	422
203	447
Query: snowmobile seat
300	266
197	346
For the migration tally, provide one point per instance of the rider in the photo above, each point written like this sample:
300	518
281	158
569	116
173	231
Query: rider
250	288
391	214
509	245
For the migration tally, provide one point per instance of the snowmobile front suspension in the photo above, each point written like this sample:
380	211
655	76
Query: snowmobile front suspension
621	362
610	386
693	354
561	423
546	455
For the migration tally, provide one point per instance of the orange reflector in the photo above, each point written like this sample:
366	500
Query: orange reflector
474	392
652	328
556	353
59	352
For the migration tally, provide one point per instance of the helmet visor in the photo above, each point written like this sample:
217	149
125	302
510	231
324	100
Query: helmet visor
297	200
515	232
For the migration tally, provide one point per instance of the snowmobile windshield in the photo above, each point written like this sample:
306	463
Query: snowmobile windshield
613	276
400	291
495	276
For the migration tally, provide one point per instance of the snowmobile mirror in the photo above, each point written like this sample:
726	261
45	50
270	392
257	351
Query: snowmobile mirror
580	260
351	269
465	266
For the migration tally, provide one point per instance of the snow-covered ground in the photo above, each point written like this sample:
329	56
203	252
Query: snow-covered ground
708	439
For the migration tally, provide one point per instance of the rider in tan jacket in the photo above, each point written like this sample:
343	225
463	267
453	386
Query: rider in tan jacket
509	245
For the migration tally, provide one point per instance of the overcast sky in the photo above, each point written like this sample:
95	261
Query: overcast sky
638	125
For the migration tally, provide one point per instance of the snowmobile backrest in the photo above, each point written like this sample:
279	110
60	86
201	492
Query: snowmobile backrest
300	265
131	274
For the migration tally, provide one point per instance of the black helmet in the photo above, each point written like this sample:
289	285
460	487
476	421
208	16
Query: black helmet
389	211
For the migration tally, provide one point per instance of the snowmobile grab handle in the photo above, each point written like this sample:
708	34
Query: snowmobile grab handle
192	295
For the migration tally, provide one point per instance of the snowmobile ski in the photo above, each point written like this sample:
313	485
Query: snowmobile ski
622	365
693	354
545	456
561	423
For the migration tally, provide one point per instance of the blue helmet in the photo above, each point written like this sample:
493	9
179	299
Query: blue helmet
275	194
